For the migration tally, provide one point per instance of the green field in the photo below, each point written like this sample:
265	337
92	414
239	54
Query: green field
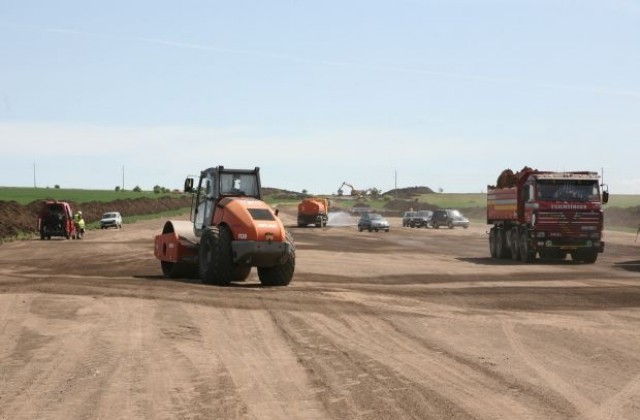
27	195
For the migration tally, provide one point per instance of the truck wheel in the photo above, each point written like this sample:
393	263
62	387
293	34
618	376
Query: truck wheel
215	262
514	244
527	254
501	244
435	225
493	243
450	225
280	275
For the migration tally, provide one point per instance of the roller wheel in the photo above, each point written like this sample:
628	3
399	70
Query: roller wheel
173	270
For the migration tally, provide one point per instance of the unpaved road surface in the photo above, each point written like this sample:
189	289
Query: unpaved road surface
410	324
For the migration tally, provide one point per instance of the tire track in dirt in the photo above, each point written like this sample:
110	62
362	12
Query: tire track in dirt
351	384
611	407
585	406
46	370
253	353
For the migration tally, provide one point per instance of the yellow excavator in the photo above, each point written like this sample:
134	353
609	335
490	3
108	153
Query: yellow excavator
354	192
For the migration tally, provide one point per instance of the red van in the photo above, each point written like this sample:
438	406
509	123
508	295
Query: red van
56	219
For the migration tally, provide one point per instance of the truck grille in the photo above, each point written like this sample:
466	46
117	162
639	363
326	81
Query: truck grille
568	223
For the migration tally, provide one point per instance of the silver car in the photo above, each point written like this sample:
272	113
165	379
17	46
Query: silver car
373	221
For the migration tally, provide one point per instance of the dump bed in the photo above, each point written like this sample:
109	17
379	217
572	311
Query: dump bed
502	204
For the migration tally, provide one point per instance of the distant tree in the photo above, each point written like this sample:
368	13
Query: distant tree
375	192
137	189
157	189
57	187
440	190
117	188
304	191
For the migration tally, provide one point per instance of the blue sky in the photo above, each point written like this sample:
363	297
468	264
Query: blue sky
444	93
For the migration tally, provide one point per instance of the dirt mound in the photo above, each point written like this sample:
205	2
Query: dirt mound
616	216
16	218
279	194
508	179
400	206
410	192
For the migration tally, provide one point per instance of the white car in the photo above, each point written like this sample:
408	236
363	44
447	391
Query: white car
111	219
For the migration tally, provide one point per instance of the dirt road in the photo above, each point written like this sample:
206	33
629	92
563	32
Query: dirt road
410	324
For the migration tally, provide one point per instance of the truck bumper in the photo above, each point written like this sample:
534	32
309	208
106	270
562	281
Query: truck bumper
260	254
567	245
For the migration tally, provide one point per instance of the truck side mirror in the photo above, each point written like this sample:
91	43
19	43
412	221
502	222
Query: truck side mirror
605	197
188	185
277	212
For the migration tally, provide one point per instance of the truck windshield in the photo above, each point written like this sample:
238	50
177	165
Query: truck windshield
568	190
239	184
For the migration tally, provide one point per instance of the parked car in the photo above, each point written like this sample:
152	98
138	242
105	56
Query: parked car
407	217
450	218
111	219
373	221
422	219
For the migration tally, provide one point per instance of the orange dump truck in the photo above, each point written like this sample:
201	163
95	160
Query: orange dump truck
547	214
313	211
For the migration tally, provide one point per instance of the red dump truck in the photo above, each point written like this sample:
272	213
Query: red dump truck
547	214
313	211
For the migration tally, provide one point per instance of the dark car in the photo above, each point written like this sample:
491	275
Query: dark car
373	221
449	218
421	219
407	217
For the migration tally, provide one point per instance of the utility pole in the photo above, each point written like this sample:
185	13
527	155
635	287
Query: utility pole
396	183
122	177
34	175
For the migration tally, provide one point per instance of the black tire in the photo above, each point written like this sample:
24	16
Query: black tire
514	244
435	225
450	225
501	244
241	272
280	275
492	243
215	261
527	254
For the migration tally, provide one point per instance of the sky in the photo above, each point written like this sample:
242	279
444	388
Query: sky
375	93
